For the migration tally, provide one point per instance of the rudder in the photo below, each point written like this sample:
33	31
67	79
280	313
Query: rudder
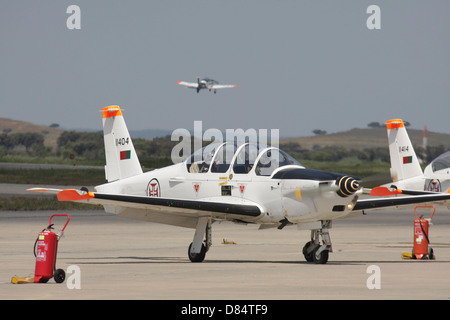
121	158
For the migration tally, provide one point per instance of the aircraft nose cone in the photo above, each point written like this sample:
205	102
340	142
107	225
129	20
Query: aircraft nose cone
347	186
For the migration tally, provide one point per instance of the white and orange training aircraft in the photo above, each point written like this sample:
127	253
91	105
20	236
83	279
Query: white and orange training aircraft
406	171
244	183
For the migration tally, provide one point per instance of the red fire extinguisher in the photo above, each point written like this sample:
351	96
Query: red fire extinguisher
45	249
421	236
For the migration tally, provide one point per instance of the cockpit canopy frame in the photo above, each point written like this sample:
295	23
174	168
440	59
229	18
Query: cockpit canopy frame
247	158
442	162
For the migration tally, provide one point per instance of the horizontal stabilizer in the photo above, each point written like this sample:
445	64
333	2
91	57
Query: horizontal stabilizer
74	195
384	191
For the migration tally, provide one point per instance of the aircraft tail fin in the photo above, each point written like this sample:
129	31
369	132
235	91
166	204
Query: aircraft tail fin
404	162
121	158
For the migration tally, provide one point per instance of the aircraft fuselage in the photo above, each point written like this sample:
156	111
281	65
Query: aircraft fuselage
290	200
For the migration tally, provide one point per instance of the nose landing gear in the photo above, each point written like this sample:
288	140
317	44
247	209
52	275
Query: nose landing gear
313	250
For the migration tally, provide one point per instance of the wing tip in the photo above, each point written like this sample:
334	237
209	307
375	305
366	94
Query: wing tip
43	189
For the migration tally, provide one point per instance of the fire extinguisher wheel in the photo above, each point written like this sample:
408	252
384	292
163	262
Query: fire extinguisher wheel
59	276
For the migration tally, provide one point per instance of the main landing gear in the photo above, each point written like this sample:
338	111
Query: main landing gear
313	250
198	247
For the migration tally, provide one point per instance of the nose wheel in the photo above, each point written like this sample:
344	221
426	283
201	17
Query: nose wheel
315	252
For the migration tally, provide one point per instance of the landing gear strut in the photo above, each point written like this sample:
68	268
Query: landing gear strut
313	250
198	248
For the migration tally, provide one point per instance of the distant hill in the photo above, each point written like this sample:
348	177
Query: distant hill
355	138
150	133
368	138
13	126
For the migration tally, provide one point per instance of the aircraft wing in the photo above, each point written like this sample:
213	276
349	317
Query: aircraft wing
179	212
228	208
222	86
193	85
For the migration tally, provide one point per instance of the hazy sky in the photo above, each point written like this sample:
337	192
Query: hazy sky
298	65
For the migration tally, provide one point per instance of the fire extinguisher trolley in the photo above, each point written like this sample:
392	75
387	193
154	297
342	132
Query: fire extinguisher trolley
45	250
421	236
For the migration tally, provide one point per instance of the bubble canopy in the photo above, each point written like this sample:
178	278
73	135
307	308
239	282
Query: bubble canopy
441	163
246	158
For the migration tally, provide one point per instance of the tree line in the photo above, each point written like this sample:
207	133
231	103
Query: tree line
31	142
88	147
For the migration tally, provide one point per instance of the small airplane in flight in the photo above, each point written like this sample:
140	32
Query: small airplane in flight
243	183
406	172
205	83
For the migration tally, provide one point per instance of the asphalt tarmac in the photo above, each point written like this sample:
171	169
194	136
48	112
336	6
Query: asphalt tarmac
106	257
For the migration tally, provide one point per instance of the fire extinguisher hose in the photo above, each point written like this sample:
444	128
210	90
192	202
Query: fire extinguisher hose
35	242
34	248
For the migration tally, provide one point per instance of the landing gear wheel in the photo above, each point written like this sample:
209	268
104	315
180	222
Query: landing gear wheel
59	276
197	257
308	252
321	258
313	250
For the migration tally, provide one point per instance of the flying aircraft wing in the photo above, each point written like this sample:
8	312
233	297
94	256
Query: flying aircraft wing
222	86
193	85
179	212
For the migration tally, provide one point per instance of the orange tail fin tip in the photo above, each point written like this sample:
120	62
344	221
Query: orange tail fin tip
111	111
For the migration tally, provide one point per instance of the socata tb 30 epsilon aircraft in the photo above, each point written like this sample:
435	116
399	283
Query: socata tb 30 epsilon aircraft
241	183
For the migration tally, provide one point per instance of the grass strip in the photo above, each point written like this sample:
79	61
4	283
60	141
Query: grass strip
19	203
85	177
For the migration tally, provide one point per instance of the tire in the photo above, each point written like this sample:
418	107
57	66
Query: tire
59	276
322	258
431	254
197	257
308	256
